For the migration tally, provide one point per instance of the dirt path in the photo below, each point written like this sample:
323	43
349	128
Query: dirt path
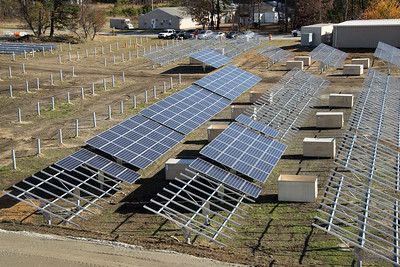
31	249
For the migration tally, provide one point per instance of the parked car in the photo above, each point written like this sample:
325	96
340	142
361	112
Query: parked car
179	34
204	35
218	35
191	33
248	34
166	34
296	33
231	35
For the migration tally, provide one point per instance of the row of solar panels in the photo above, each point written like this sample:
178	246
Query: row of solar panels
20	48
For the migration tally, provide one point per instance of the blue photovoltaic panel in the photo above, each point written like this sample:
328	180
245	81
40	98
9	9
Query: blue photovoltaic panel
257	125
229	82
226	177
186	110
245	151
89	158
211	58
138	141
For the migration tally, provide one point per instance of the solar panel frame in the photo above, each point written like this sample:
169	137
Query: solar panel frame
245	151
134	145
387	53
229	82
328	55
274	53
212	58
186	110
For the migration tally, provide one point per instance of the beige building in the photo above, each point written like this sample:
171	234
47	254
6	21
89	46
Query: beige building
321	33
366	33
166	18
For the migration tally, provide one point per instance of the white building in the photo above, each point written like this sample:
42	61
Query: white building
321	33
166	18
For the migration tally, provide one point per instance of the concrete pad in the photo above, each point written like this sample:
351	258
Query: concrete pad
297	188
319	147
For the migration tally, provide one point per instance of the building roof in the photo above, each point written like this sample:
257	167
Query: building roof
371	22
318	25
179	12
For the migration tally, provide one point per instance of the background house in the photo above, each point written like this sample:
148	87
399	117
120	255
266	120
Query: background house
166	18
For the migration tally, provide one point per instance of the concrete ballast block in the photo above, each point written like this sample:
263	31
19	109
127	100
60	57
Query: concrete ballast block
329	120
341	100
255	95
306	60
319	147
361	61
297	188
291	64
353	69
236	110
214	130
173	167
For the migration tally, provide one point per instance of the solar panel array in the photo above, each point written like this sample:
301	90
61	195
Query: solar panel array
20	48
229	82
245	151
194	206
211	58
275	54
287	105
186	110
138	141
388	53
361	201
328	55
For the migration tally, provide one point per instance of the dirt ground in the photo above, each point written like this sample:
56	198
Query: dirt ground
272	233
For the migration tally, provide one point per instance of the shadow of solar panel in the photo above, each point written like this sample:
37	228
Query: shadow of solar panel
229	82
257	126
138	141
186	110
98	162
245	151
226	177
328	55
211	58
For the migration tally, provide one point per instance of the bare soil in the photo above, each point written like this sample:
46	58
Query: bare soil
273	233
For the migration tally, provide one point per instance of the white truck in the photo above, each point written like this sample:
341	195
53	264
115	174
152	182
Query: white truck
123	24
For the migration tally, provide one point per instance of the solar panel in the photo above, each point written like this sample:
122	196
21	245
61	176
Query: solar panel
186	110
138	141
226	177
211	58
256	125
275	54
388	53
328	55
245	151
229	82
83	156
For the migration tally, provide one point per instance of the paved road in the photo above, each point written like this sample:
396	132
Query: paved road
31	249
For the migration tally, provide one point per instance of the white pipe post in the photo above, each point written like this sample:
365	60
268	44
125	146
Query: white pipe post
92	88
117	46
154	92
69	45
123	76
105	62
73	71
19	115
86	53
114	60
171	86
24	54
137	53
9	72
76	128
51	50
94	120
60	137
112	81
134	101
38	146
69	56
121	105
37	84
77	55
38	108
82	93
68	99
53	106
145	96
104	84
59	59
43	51
51	79
122	57
179	79
129	55
13	56
110	48
33	53
102	50
13	159
27	86
61	78
95	51
11	93
109	112
164	87
23	68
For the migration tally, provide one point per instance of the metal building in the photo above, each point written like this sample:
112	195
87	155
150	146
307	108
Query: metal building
166	18
366	33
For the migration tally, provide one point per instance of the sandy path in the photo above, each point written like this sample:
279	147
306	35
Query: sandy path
31	249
